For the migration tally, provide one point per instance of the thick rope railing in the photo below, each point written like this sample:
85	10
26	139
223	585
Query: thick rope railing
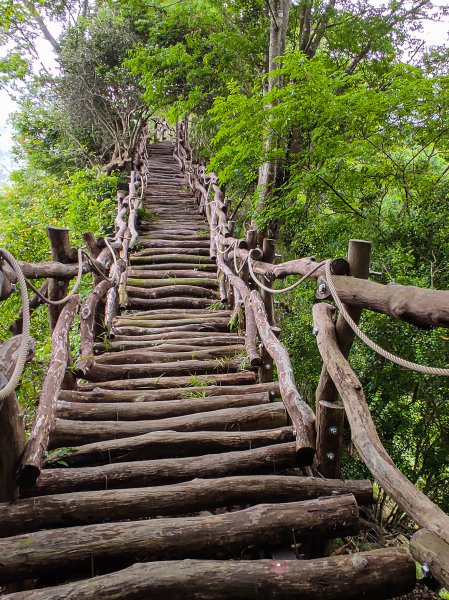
407	364
25	341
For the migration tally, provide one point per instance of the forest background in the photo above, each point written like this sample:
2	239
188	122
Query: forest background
345	135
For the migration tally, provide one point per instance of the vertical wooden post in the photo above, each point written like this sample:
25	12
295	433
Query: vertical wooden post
12	436
266	368
329	412
61	251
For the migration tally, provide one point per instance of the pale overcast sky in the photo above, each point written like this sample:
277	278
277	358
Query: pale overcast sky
434	33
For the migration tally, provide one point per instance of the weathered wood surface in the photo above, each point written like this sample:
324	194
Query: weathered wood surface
427	548
167	352
99	394
364	435
36	446
169	444
264	416
226	379
12	430
208	537
133	411
300	413
84	508
373	575
266	459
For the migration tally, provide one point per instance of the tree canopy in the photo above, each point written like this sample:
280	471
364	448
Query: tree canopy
326	120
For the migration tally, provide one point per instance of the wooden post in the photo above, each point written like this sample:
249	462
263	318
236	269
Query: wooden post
61	251
329	412
266	368
12	436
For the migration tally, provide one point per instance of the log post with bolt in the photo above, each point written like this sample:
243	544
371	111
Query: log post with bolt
329	411
266	368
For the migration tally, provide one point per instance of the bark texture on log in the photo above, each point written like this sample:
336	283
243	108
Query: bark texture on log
36	446
132	411
427	548
373	575
267	459
83	508
72	433
212	536
170	444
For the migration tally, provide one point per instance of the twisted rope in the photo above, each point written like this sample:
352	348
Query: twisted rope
407	364
72	292
25	341
286	289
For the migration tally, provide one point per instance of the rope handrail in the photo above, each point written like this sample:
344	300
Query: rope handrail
25	341
407	364
286	289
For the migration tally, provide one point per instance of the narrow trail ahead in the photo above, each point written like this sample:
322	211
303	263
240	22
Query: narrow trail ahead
171	423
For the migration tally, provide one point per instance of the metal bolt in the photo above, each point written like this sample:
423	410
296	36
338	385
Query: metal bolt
322	288
425	570
330	455
13	288
314	331
278	564
333	430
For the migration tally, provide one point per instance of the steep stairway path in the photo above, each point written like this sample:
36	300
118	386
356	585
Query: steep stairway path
171	450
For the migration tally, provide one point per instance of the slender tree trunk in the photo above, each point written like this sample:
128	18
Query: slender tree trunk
279	11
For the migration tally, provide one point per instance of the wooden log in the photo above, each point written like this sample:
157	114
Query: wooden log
212	536
359	253
168	353
266	364
12	437
169	444
430	550
161	346
167	258
330	429
31	461
84	508
214	327
54	269
106	372
177	266
373	575
73	433
171	292
267	459
130	411
364	435
89	318
163	274
162	243
244	377
190	281
173	321
98	394
299	412
181	302
174	249
62	252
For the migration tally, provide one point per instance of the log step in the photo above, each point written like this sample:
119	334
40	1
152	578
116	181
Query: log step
167	444
84	508
372	575
99	394
217	536
134	411
72	433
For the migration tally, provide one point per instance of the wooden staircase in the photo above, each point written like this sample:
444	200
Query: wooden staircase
173	472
